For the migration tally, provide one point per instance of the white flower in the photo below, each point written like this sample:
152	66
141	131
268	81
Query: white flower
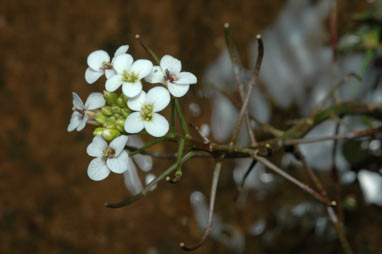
99	64
129	73
168	73
148	104
79	116
111	157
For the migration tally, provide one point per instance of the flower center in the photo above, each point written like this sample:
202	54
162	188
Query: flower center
129	77
109	152
170	77
147	112
106	66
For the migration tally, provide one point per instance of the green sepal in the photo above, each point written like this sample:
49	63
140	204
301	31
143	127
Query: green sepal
98	131
107	110
100	117
110	134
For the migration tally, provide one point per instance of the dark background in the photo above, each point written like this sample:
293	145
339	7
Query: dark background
47	202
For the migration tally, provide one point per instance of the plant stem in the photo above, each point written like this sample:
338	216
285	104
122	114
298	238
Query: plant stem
181	119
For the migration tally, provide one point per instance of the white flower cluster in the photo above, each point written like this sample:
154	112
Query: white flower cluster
131	112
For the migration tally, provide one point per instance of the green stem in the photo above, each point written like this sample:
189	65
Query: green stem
173	130
147	49
150	186
179	158
181	119
150	144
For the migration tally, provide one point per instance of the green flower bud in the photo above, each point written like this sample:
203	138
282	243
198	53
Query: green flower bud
124	97
110	134
120	102
107	110
100	117
120	124
125	112
110	123
116	109
110	97
98	131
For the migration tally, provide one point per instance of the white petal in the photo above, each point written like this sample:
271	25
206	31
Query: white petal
132	89
158	126
110	73
134	123
119	164
186	78
118	144
77	102
156	75
149	178
178	90
92	76
96	147
97	58
170	63
137	102
113	83
132	182
94	101
142	68
121	50
144	162
98	170
75	120
122	62
158	97
83	122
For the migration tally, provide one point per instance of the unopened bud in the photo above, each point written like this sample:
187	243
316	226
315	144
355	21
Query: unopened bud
125	112
110	97
98	131
110	123
120	124
100	117
116	109
120	102
107	110
110	134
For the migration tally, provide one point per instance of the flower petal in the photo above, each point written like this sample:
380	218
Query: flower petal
119	164
134	123
186	78
137	102
75	121
94	101
132	182
113	83
156	75
121	50
123	62
118	144
142	68
132	89
170	63
83	122
97	58
158	97
178	90
92	76
97	169
110	73
158	126
144	162
96	147
77	102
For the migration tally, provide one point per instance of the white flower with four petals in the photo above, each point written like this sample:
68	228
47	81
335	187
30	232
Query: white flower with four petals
169	73
110	157
147	117
129	75
79	116
99	64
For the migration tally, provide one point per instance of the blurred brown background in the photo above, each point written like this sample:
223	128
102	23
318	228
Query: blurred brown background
47	202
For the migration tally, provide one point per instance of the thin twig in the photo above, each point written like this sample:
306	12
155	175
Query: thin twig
147	49
250	87
214	186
